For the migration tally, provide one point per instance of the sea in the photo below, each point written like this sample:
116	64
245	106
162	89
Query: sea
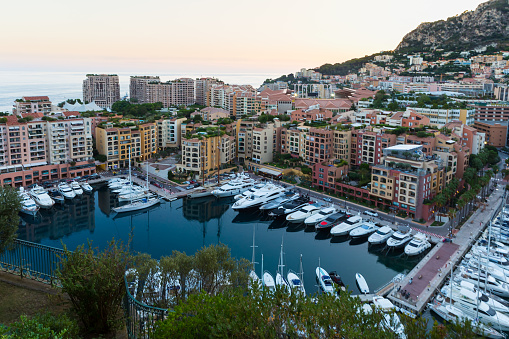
60	86
187	225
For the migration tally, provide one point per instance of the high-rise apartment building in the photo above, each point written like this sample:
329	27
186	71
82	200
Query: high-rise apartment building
205	154
39	104
138	92
169	132
178	92
103	89
203	86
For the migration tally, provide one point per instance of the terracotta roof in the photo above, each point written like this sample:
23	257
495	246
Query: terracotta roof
72	114
43	98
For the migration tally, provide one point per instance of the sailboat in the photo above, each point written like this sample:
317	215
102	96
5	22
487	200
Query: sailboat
280	278
253	277
296	281
138	204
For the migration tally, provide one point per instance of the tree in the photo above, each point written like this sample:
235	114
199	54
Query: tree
94	281
263	118
171	176
10	205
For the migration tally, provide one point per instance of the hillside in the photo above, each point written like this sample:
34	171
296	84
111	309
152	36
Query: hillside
487	24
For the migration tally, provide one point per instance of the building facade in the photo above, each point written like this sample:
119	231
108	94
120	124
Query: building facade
40	104
103	89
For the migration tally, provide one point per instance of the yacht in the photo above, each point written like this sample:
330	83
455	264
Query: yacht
86	187
484	281
258	198
41	197
321	215
417	245
346	226
279	201
140	204
233	188
399	239
380	236
28	205
324	280
136	193
268	281
66	191
453	314
253	279
118	184
289	207
248	192
200	192
303	213
330	221
76	188
56	196
464	288
296	284
364	230
391	319
470	304
361	282
127	188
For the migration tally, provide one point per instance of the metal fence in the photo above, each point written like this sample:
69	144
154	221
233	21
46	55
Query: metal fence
140	318
32	261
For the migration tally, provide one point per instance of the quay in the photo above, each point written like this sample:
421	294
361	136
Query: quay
429	275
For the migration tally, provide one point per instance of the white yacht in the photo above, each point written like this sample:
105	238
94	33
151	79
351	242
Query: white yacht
140	204
484	281
28	205
399	239
330	221
76	188
451	313
470	304
361	282
41	197
380	236
118	184
346	226
289	207
417	245
320	216
324	280
200	192
391	319
126	189
268	281
295	283
248	192
497	303
258	198
233	188
279	201
303	213
86	187
66	191
136	193
364	230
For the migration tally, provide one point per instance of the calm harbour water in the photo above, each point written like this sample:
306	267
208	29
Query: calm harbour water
60	86
187	225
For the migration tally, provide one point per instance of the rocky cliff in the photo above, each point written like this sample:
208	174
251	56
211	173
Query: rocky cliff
488	24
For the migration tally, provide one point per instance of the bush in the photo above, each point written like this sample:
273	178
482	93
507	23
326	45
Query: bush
44	326
94	281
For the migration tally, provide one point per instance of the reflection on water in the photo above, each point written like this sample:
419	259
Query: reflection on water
62	220
204	209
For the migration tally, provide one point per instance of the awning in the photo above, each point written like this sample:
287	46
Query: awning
270	172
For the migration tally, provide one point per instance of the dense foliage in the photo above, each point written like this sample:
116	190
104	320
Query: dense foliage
136	110
10	205
42	326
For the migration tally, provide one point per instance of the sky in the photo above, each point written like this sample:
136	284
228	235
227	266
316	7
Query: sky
221	36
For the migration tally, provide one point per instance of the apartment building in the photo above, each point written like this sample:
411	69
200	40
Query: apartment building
245	139
412	119
178	92
205	154
26	105
367	146
495	134
203	86
292	141
468	137
319	145
440	116
342	144
116	143
311	114
245	102
103	89
263	144
138	92
328	173
211	114
41	150
169	132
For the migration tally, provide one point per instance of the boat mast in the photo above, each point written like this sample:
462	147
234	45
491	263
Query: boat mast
281	265
301	271
263	276
253	263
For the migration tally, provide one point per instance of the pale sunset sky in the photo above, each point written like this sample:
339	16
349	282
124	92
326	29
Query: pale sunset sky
205	36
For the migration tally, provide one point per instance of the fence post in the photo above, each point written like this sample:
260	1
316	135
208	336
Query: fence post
20	260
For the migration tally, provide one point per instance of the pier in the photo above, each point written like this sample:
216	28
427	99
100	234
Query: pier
430	274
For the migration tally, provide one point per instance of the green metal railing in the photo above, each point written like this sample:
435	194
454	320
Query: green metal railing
32	261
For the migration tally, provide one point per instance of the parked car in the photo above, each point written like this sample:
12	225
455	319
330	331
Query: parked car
373	214
186	182
189	187
327	199
197	185
192	182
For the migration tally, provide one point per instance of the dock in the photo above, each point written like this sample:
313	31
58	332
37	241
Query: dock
430	274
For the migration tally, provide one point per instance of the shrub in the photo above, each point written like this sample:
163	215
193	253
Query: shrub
94	281
44	326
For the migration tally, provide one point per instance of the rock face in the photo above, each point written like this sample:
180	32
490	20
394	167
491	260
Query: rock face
486	25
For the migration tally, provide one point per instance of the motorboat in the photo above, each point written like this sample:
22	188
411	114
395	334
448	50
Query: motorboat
380	236
336	278
136	193
296	284
303	213
248	192
470	304
76	188
279	201
346	226
56	196
233	188
467	290
399	239
364	230
419	244
115	185
268	281
361	282
200	192
28	205
258	198
86	187
128	188
322	214
330	221
324	280
453	314
138	205
391	319
66	190
289	207
41	197
484	281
